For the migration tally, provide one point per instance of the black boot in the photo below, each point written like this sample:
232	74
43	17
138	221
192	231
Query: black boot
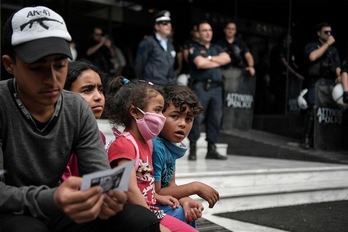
306	144
193	152
213	154
307	138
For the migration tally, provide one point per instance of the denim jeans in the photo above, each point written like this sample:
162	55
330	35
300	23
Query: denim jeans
177	213
212	102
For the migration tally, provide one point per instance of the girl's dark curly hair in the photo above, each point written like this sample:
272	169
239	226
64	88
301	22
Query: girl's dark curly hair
121	94
75	68
182	96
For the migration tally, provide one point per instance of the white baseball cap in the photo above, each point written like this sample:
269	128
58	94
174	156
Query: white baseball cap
36	32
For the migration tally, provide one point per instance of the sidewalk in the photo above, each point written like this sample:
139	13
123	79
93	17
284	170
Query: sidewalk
251	153
213	222
256	151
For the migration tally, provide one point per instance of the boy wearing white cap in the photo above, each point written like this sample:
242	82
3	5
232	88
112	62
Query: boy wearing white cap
40	126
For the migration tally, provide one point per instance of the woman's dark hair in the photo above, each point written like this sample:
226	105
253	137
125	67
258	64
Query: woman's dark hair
182	96
121	94
75	68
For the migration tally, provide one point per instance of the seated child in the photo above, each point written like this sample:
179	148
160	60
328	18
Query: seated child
137	106
180	108
85	79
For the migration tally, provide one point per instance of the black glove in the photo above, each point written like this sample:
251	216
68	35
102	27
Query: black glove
345	97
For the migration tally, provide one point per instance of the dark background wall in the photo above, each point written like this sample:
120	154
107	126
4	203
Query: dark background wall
259	22
268	16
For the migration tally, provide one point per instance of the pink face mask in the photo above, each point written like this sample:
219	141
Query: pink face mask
150	125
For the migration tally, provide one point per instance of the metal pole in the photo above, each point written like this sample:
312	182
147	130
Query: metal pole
288	58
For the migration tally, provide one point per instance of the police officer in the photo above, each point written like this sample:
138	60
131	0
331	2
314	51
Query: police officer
156	54
323	62
344	79
205	61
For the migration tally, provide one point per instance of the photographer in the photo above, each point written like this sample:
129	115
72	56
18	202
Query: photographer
323	62
100	51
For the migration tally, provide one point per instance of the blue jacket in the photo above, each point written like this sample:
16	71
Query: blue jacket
153	63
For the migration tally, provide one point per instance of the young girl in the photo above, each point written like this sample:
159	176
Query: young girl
85	79
137	106
180	108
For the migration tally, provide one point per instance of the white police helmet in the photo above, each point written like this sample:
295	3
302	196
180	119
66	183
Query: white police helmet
337	95
302	103
183	79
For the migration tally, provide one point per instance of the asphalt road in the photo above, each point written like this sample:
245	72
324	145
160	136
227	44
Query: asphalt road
320	217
